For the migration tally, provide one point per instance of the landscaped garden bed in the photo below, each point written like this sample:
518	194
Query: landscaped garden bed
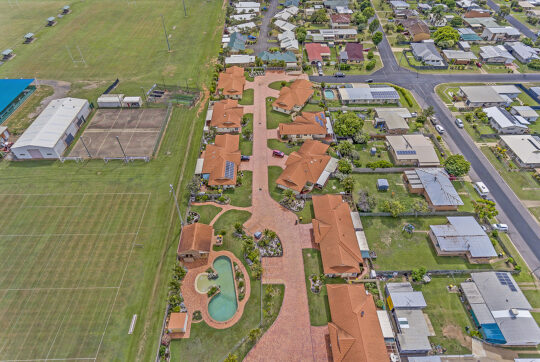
269	244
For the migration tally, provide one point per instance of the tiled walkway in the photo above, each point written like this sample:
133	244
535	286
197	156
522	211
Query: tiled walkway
290	338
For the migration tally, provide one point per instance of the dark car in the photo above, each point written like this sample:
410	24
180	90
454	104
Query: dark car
339	75
369	81
278	153
244	158
434	121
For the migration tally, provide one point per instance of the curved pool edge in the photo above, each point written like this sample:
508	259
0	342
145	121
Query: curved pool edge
196	279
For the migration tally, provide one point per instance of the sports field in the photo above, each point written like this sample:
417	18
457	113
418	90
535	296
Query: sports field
64	258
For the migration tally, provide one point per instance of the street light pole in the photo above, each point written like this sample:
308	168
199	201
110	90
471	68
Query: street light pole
171	191
122	148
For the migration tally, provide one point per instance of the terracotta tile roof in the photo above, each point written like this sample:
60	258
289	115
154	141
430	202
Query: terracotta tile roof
355	332
340	18
333	230
476	14
227	114
295	95
355	51
177	321
315	51
312	123
225	151
415	26
304	165
232	81
196	237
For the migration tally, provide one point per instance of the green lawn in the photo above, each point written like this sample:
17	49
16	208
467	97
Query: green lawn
273	174
319	309
398	250
522	183
23	116
312	108
225	226
307	213
241	195
246	146
206	212
364	151
535	211
247	97
447	315
273	118
285	147
277	85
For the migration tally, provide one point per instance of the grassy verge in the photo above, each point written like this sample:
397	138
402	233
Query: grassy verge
247	97
273	118
206	212
285	147
241	195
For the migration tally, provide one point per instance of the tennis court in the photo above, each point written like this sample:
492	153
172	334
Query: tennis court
63	259
138	131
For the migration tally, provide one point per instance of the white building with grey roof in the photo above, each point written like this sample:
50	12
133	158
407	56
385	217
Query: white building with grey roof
500	309
488	96
505	122
435	185
523	149
462	236
363	94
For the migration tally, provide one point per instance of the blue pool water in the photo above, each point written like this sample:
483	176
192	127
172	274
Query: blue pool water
328	94
223	306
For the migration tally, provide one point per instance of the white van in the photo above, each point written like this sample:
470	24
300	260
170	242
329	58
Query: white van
481	188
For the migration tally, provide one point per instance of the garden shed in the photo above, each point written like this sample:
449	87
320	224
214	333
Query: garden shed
28	38
382	184
51	21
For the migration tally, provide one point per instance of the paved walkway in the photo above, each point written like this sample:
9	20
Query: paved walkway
291	337
224	209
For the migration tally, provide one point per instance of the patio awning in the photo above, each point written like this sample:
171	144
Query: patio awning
199	166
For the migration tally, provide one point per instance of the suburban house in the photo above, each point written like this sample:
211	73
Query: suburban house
462	236
496	54
227	116
478	24
240	60
288	57
247	7
393	120
177	324
405	13
287	13
506	33
406	306
468	34
324	35
231	82
195	242
353	53
307	125
218	164
483	96
333	231
522	52
526	112
294	97
435	185
243	17
477	14
308	167
500	310
283	25
523	149
535	13
504	122
245	27
459	56
340	20
287	41
399	5
464	45
236	42
412	149
333	4
317	52
363	94
427	53
355	332
417	28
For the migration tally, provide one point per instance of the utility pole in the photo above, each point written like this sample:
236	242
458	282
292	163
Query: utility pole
184	2
122	148
171	191
86	148
165	31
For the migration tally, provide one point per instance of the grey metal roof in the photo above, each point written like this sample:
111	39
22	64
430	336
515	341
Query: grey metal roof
399	287
425	358
499	296
462	234
414	330
365	93
459	54
482	313
438	187
481	94
426	51
471	292
524	51
403	296
504	119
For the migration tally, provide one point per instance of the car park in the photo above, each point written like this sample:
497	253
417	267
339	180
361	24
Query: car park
439	128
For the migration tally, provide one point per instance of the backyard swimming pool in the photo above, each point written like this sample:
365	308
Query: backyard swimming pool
223	306
328	94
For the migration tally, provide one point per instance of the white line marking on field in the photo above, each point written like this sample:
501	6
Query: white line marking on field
49	289
64	234
123	275
81	193
50	359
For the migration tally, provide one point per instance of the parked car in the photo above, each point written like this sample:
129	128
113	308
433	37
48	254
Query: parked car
439	128
369	81
244	158
414	114
434	121
278	153
321	73
500	227
481	188
339	75
479	65
459	123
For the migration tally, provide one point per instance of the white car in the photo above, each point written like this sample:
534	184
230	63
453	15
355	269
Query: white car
459	123
481	188
439	128
500	227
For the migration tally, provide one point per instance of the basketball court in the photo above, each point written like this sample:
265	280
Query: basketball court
138	132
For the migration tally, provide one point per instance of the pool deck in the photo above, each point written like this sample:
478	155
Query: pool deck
196	301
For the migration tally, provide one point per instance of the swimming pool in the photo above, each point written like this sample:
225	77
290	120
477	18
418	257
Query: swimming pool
223	305
328	94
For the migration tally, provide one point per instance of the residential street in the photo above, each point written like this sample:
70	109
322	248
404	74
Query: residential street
262	43
514	22
524	230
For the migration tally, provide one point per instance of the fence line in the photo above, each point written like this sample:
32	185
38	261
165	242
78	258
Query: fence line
437	272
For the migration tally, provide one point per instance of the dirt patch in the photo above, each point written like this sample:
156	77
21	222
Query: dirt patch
455	332
203	101
387	240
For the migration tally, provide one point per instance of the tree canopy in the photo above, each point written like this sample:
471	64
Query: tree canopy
348	124
457	165
446	37
319	16
374	25
377	38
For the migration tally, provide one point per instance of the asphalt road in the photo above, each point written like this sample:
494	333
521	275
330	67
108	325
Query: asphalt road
262	43
524	230
513	21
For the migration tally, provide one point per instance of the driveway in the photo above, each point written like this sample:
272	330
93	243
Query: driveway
262	43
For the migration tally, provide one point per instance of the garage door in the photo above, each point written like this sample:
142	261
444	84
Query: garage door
35	153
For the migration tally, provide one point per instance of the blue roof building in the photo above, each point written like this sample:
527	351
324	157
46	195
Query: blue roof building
237	42
287	57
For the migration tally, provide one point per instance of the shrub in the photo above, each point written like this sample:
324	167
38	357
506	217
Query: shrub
344	166
371	64
379	164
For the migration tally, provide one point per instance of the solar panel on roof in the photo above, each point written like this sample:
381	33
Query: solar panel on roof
504	279
383	94
229	170
319	120
406	152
